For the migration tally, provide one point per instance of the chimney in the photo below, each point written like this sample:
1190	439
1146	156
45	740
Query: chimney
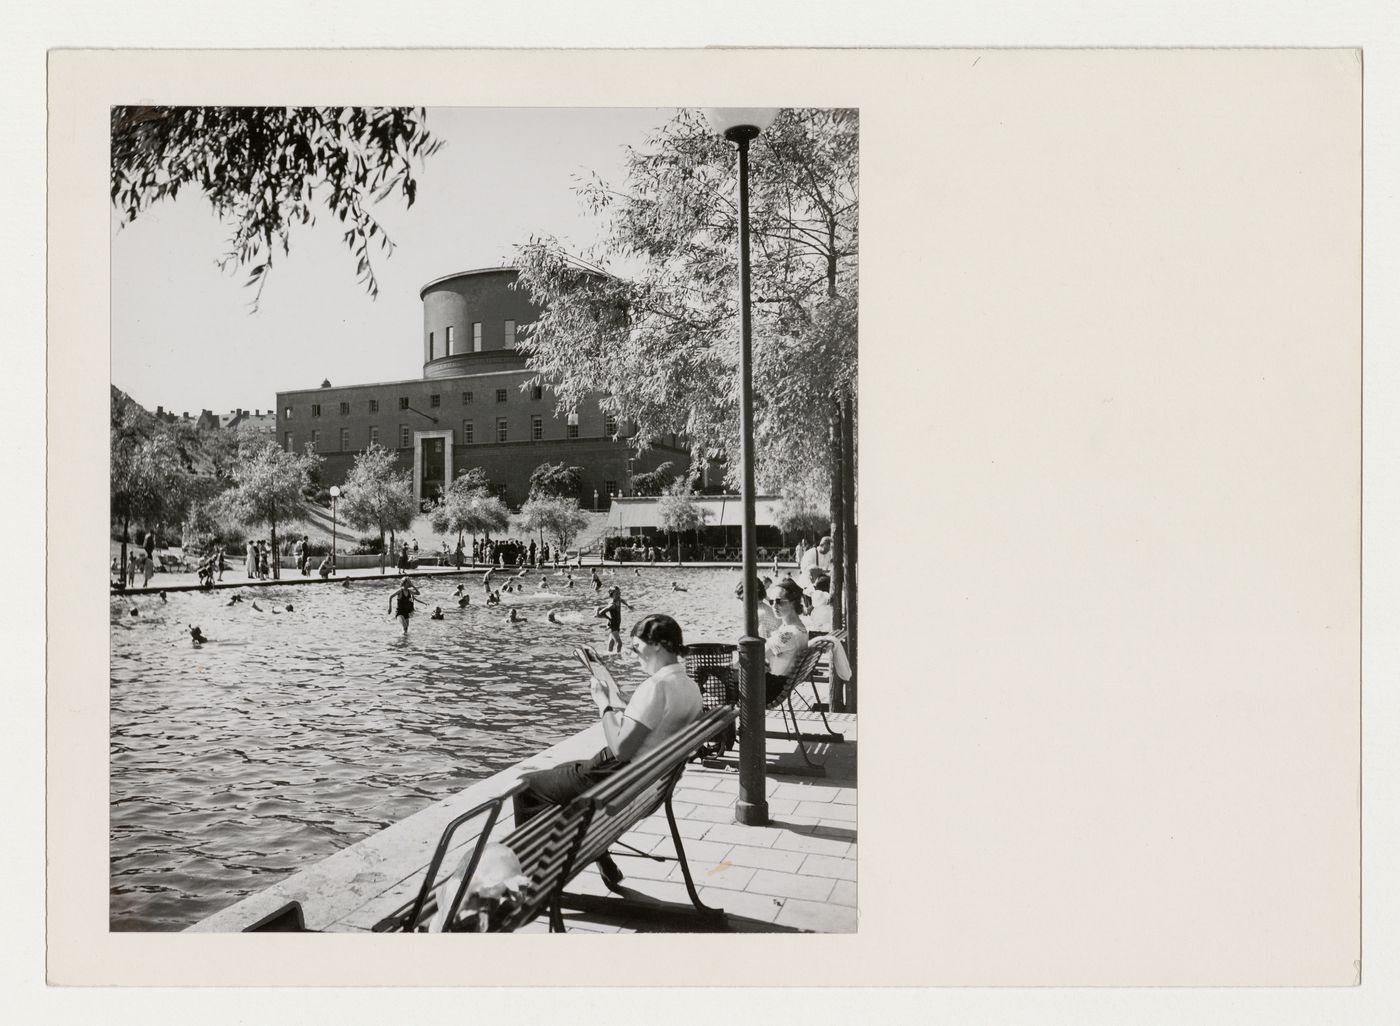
160	411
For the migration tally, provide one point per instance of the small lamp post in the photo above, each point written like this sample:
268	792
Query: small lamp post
742	125
335	494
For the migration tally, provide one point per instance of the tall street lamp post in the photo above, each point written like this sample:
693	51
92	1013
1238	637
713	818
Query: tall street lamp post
741	125
335	494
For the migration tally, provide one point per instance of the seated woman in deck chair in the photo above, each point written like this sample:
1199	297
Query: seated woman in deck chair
788	640
666	702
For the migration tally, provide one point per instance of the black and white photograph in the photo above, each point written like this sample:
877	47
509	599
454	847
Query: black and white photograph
483	549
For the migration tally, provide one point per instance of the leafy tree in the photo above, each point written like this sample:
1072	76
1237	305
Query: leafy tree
268	486
661	343
266	169
653	482
798	515
376	495
553	479
555	515
149	479
679	512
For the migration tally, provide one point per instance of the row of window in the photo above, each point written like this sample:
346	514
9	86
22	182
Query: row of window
508	331
434	401
468	432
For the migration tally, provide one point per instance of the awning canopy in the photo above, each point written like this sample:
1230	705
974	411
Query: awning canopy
720	511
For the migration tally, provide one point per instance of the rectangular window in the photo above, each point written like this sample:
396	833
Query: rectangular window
448	350
374	436
536	428
315	409
374	406
536	391
609	425
287	413
500	395
430	345
610	488
466	398
476	336
344	439
315	441
500	429
510	335
468	432
289	442
573	425
345	409
434	401
403	402
404	439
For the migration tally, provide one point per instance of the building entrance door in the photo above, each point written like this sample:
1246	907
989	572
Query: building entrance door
431	460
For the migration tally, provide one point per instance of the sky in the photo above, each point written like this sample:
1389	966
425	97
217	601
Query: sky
183	334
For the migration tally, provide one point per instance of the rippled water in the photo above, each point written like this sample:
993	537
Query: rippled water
292	735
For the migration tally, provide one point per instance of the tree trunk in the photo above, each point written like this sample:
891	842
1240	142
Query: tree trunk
848	487
381	550
276	553
126	533
838	550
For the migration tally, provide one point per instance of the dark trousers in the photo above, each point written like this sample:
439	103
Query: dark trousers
561	784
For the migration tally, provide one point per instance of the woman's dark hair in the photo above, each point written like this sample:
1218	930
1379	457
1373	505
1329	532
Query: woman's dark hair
790	591
660	629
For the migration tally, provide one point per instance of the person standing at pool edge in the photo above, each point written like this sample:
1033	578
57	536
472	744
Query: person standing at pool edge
401	602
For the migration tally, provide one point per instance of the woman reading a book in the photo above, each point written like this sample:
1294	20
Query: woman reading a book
665	703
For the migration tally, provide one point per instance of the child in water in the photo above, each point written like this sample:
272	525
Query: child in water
612	612
401	602
675	586
515	616
196	636
437	613
464	601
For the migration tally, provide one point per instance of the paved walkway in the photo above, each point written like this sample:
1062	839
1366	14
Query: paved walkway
797	873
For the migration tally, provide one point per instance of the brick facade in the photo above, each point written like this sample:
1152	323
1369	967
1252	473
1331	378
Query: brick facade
465	399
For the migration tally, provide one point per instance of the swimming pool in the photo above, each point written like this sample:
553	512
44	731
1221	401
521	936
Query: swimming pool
291	735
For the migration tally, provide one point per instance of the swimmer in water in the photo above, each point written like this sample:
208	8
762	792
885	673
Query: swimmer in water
162	596
493	599
464	601
235	598
437	613
197	636
554	618
612	612
636	571
677	587
597	581
345	583
135	611
515	616
486	581
461	590
256	606
401	602
289	607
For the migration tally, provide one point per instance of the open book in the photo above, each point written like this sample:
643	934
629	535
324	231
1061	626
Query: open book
602	675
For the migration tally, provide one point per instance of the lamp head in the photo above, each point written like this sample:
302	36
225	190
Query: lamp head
335	491
738	124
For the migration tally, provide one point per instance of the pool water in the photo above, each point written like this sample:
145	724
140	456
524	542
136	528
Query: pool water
291	735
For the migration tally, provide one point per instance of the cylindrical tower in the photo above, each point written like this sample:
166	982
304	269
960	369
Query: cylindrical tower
471	320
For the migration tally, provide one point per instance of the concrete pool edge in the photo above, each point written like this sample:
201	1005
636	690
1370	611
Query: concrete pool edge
387	862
